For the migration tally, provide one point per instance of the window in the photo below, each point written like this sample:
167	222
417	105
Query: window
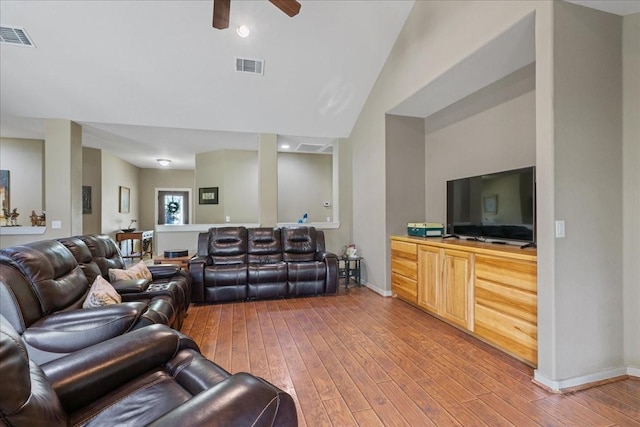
173	207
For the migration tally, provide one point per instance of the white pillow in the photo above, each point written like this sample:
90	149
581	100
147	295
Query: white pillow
138	271
101	293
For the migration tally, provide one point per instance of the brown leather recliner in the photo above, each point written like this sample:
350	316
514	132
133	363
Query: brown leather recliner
152	376
234	263
97	253
42	290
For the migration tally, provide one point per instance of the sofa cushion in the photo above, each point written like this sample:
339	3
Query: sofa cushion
101	293
138	271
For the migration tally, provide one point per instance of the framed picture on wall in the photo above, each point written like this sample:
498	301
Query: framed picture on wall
208	196
124	199
490	204
5	202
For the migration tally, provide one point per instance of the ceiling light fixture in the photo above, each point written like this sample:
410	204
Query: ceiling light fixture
285	146
164	162
243	31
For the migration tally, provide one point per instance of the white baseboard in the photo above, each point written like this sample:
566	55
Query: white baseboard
570	383
377	290
633	372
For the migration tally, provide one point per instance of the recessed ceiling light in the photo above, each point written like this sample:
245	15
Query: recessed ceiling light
243	31
285	146
164	162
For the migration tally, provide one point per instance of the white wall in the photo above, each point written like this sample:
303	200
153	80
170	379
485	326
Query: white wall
631	189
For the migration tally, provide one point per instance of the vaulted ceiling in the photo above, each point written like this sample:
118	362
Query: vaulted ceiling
152	79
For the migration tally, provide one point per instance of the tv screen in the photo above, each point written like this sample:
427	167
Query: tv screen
496	206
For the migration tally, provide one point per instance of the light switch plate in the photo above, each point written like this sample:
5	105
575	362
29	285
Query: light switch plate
56	224
560	232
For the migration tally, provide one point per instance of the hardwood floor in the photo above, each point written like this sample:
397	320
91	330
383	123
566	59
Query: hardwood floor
358	359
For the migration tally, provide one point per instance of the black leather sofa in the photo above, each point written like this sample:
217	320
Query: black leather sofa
97	253
236	263
42	291
152	376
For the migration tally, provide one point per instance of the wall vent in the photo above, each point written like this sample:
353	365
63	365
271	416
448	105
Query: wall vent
251	66
310	148
16	36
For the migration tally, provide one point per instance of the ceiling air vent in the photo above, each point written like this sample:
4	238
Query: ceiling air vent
16	36
251	66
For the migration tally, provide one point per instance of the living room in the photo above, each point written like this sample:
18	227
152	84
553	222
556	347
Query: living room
586	164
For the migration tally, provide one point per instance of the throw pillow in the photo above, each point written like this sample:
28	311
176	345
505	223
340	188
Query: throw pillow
138	271
101	293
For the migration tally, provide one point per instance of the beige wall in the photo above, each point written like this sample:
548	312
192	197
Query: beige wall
235	173
491	130
152	179
588	45
588	190
63	177
25	182
429	44
631	188
92	176
116	173
304	183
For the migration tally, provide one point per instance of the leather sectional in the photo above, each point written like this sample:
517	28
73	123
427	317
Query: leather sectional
152	376
118	364
236	263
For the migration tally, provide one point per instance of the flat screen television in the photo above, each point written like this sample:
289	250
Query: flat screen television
497	207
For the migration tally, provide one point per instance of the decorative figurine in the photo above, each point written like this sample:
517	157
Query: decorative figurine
34	219
13	216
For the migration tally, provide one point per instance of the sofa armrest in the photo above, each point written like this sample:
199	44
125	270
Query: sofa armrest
164	271
68	331
331	261
84	376
130	286
197	266
241	400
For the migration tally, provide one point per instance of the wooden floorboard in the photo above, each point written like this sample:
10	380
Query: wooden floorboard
359	359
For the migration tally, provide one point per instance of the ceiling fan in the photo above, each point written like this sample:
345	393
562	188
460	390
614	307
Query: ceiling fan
221	10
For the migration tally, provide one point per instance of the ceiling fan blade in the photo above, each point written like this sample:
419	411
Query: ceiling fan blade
221	14
290	7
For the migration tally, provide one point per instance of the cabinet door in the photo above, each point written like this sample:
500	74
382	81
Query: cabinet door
429	278
456	287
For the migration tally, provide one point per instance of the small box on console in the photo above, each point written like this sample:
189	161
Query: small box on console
425	229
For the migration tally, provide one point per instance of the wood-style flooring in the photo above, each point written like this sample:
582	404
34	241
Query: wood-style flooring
359	359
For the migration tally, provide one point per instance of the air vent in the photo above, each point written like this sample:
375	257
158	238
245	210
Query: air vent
251	66
310	148
16	36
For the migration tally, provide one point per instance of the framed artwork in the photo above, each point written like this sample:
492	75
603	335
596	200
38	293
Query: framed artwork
5	201
86	199
208	196
490	204
124	199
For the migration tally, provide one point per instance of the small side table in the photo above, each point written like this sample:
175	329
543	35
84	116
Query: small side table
146	243
349	267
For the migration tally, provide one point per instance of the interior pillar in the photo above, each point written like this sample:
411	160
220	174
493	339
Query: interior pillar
63	178
268	179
